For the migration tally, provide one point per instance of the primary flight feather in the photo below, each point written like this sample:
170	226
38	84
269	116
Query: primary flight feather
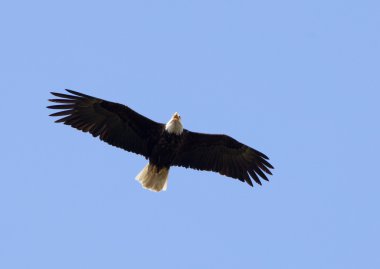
164	145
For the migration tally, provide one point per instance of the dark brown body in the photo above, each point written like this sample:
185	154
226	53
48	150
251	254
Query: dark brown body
164	152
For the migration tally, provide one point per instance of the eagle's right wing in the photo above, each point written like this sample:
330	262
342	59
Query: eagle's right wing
114	123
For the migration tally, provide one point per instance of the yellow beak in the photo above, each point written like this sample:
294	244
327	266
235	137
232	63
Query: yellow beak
176	116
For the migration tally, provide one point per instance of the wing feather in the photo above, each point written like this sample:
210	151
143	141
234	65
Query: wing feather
224	155
116	124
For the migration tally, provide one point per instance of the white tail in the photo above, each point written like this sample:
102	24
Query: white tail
152	179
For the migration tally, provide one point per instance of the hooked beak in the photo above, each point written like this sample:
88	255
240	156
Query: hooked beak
176	116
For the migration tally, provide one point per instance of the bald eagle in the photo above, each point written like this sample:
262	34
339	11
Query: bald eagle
164	145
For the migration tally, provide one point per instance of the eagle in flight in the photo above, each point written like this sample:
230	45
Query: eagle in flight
164	145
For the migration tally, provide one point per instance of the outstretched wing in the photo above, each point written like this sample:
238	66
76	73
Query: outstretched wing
222	154
116	124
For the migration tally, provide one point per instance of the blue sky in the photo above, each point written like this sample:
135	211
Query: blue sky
298	80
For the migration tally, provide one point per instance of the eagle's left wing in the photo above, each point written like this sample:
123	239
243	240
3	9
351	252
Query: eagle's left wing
222	154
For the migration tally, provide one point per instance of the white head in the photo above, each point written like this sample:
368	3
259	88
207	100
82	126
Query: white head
174	125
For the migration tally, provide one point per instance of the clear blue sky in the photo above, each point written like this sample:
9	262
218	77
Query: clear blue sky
298	80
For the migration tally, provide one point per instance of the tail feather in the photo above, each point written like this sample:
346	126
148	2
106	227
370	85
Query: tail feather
153	179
